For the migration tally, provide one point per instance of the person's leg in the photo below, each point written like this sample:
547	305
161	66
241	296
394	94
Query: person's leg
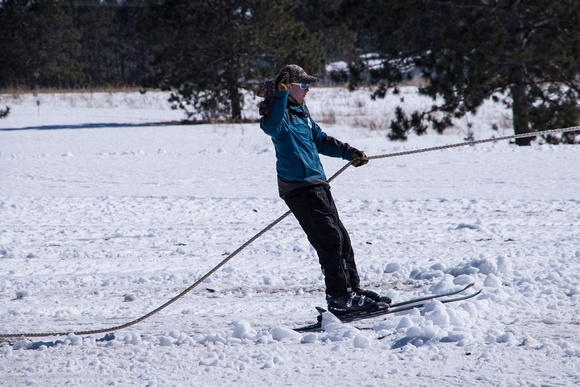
347	252
348	258
314	209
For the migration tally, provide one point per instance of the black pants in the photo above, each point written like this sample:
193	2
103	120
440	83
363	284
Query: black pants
316	212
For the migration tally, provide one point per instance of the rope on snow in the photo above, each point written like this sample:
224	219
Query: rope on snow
12	336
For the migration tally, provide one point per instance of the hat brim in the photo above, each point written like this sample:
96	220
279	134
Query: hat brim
305	79
297	74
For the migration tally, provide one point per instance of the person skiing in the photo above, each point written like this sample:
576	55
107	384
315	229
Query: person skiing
302	184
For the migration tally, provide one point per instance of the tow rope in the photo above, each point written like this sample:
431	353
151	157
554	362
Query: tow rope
15	336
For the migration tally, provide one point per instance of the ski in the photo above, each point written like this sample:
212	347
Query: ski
408	306
394	308
433	296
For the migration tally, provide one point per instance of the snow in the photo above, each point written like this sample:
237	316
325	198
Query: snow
107	211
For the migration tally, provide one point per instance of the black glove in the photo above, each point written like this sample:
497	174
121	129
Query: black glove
359	158
283	82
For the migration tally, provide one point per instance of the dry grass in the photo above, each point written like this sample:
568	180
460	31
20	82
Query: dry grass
327	117
371	123
80	90
328	105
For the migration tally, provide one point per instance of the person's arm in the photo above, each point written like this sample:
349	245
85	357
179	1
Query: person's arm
274	117
330	146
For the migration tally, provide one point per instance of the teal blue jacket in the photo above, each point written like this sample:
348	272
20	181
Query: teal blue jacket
298	140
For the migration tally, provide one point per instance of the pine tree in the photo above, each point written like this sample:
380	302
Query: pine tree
111	53
321	17
208	51
39	47
524	54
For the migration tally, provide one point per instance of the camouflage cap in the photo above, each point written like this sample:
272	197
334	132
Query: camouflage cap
297	74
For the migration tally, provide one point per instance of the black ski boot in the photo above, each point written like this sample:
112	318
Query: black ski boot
373	296
351	303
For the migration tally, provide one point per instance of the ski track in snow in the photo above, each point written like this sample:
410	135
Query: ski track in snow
104	217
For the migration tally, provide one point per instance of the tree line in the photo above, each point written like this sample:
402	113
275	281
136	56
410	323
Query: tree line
522	53
71	44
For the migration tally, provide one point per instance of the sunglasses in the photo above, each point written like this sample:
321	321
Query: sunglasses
302	85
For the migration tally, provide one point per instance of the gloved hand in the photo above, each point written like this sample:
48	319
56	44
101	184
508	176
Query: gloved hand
360	157
283	82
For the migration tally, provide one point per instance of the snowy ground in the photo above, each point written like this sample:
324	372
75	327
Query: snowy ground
105	216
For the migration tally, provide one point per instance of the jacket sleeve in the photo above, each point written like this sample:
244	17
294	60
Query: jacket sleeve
271	121
330	146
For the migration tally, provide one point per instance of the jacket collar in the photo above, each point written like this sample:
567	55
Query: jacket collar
293	102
